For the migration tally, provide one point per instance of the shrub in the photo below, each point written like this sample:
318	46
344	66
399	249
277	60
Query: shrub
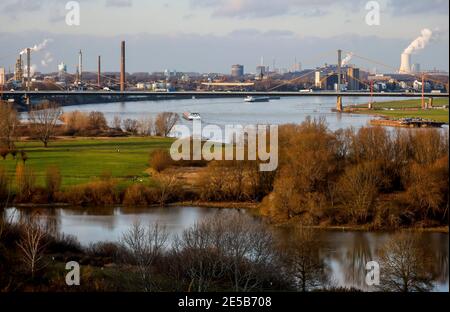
160	160
100	193
52	181
135	195
25	182
4	152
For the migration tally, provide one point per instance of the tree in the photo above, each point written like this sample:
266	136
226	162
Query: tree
249	247
43	118
165	122
32	244
97	121
144	246
404	265
25	182
200	250
302	259
167	187
9	122
358	190
131	125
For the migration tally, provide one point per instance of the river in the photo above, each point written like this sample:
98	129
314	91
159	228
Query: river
345	253
231	111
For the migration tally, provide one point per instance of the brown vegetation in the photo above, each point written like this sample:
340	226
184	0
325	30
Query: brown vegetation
43	119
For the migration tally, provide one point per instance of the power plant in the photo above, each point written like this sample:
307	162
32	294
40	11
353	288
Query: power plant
405	65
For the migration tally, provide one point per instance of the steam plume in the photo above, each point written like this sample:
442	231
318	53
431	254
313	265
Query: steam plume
420	42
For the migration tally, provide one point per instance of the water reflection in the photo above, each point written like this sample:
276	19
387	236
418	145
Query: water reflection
345	253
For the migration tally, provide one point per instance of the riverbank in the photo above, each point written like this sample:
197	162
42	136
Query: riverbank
405	109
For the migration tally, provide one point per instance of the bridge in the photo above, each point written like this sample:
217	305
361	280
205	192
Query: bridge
22	98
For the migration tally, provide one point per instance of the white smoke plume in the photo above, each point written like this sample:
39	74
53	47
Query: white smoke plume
347	59
420	42
48	58
37	47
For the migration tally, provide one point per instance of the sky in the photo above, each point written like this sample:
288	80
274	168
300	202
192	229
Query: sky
211	35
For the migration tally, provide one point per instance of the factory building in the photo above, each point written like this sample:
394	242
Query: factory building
18	70
260	71
353	78
416	68
237	71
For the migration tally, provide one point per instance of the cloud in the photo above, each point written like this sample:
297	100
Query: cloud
215	53
408	7
119	3
307	8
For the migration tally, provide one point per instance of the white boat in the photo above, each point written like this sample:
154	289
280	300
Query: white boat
253	99
191	116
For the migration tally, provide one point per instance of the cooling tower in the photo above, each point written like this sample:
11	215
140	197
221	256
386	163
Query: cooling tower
405	67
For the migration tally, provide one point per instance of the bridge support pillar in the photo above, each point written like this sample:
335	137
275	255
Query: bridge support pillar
339	106
430	103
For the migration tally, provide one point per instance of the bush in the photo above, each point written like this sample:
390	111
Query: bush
25	183
160	160
139	195
100	193
4	152
52	182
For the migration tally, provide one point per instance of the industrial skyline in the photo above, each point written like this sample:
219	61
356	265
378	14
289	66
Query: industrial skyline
173	36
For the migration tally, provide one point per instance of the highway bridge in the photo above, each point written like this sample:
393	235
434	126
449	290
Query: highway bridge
78	97
212	94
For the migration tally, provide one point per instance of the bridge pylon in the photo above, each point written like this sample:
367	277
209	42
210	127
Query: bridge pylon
339	106
430	103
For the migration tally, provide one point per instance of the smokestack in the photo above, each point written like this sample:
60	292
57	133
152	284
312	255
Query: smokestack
80	67
122	67
99	82
28	69
405	67
339	70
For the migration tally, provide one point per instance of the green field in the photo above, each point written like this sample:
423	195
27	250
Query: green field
400	109
83	159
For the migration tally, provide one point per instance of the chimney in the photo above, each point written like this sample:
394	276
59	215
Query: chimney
122	67
99	82
339	71
80	67
405	67
28	69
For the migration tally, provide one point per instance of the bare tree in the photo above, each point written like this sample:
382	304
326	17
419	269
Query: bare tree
144	246
200	250
117	123
165	122
9	122
301	256
131	125
168	185
145	126
249	247
404	265
32	245
43	118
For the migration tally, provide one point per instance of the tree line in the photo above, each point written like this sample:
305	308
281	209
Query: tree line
230	251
